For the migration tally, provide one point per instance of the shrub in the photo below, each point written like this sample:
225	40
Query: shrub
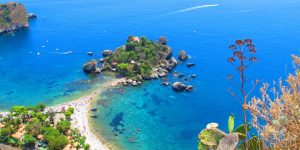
277	116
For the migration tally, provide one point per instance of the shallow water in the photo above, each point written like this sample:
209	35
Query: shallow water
152	116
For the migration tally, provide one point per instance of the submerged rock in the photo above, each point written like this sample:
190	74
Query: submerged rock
189	88
190	64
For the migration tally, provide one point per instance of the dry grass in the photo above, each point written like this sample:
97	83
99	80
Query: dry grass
276	114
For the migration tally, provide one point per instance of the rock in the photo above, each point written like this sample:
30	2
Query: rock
189	88
190	64
31	16
98	70
162	72
154	76
134	83
102	60
182	55
165	83
90	67
13	16
180	75
106	53
146	77
162	40
129	81
166	52
139	78
178	86
193	75
90	53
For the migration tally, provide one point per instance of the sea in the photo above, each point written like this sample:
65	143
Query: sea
43	64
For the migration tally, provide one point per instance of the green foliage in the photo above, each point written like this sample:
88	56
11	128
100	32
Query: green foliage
211	137
18	110
34	128
241	131
29	141
63	126
50	133
230	123
215	138
58	142
69	112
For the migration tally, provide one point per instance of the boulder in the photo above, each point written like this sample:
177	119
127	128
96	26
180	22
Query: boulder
90	67
166	52
134	83
178	86
31	16
190	64
162	40
106	53
98	70
189	88
182	55
102	60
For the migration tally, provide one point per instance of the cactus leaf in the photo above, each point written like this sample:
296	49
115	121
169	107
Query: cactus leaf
229	142
211	137
202	146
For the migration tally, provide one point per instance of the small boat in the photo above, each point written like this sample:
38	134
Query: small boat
38	53
94	116
94	109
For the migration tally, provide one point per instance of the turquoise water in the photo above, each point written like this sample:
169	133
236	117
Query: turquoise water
152	116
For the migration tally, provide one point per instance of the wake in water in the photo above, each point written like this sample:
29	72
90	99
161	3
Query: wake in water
64	53
192	8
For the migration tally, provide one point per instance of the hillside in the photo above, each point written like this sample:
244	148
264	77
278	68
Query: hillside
13	16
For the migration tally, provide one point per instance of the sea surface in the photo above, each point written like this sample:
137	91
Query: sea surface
44	63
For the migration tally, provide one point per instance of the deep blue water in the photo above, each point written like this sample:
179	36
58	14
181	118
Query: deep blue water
154	116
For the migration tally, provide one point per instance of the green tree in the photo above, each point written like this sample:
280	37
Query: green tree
34	128
29	141
63	126
58	142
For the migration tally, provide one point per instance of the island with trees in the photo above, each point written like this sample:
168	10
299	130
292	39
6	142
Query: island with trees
13	16
137	60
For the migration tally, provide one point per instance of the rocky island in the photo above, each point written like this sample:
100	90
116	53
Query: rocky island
137	60
13	16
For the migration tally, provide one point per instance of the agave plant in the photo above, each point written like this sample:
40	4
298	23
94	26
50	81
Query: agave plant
213	138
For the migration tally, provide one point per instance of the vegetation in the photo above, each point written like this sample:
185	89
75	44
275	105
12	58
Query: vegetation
275	116
29	127
137	57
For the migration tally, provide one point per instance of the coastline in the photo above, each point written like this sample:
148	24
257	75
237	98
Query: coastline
81	117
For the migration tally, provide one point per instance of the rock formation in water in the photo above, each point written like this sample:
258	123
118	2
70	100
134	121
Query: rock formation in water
13	16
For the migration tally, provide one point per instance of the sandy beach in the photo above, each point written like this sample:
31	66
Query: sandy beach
80	118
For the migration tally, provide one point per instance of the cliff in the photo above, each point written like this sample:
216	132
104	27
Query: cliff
13	16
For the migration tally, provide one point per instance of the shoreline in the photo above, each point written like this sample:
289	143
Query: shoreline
81	117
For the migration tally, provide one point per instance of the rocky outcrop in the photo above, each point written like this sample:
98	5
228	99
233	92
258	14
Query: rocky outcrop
13	17
162	40
182	55
107	53
178	86
91	67
31	16
165	52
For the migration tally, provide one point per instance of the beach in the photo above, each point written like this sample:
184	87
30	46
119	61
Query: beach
80	118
